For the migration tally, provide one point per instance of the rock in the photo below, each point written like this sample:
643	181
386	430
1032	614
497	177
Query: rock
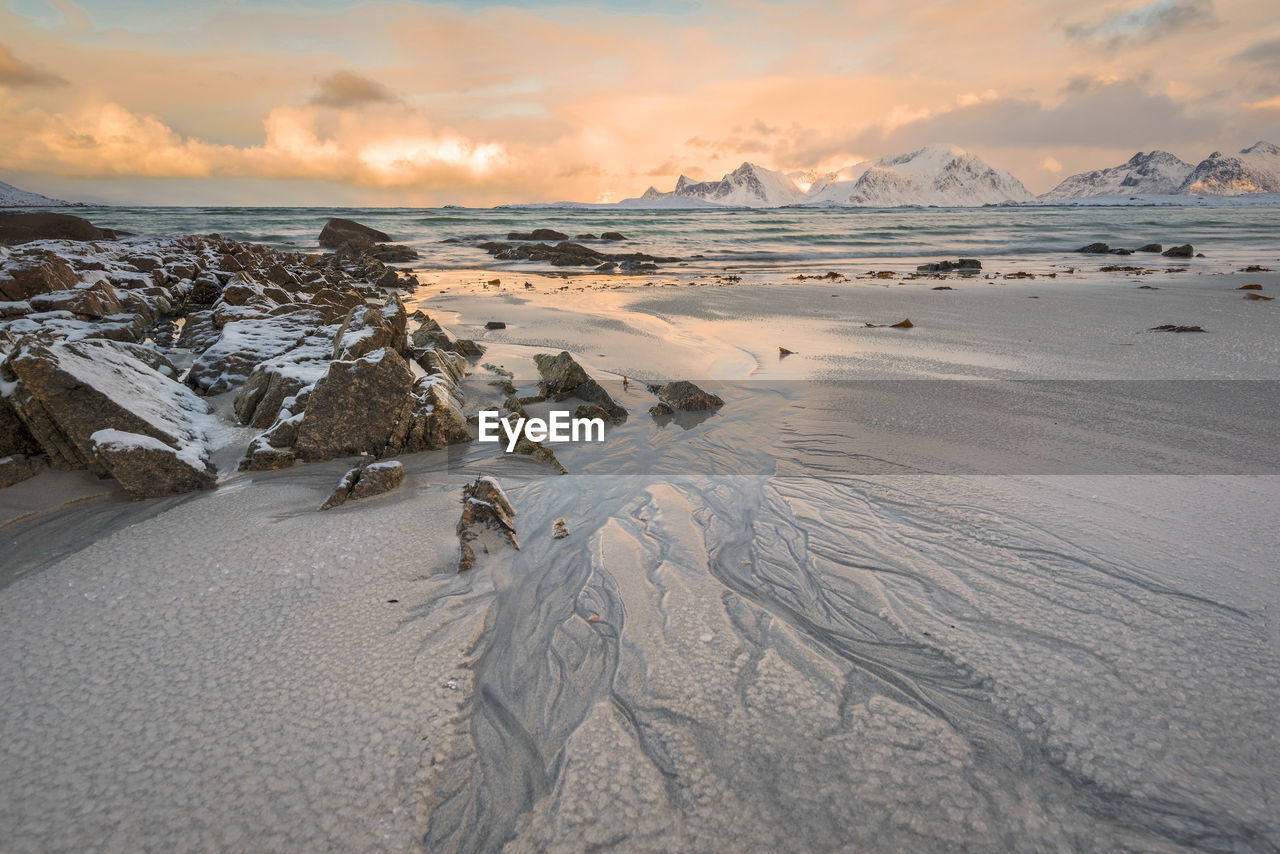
538	234
25	276
72	389
337	232
227	363
612	235
967	264
942	288
434	421
95	302
587	236
355	407
1151	247
18	228
1170	327
1095	249
559	529
365	481
783	351
468	349
1183	251
495	324
18	467
392	253
15	438
485	508
149	468
590	410
205	290
1249	288
684	395
905	323
562	378
1252	296
661	410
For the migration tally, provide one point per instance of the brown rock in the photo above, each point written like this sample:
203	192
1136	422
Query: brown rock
356	407
485	508
18	228
338	231
17	468
28	275
149	468
365	481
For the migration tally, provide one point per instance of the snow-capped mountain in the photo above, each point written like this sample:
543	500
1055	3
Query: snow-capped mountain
1156	173
12	197
941	175
1256	169
748	186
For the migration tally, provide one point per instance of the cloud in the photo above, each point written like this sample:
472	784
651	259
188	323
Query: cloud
107	139
1115	115
1144	24
1051	165
15	72
348	89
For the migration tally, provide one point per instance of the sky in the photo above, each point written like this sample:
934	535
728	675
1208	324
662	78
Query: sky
274	102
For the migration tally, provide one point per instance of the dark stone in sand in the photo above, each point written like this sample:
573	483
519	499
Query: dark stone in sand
612	235
1151	247
1171	327
684	395
661	410
562	378
18	228
365	481
484	508
1183	251
495	324
1095	249
467	348
337	232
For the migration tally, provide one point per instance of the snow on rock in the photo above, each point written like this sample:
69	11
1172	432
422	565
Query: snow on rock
149	468
68	391
749	186
1154	173
1255	169
941	175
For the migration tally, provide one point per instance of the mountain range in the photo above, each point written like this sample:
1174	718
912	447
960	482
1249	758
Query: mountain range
947	176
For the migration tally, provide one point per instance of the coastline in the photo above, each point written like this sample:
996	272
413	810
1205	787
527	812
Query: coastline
888	659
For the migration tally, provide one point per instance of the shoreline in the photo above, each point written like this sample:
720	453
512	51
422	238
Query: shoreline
775	657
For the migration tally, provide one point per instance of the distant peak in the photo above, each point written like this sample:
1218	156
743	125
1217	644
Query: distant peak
1261	147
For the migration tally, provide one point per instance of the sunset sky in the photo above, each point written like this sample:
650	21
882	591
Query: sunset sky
475	103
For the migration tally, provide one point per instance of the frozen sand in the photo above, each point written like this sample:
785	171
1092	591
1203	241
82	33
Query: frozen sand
883	663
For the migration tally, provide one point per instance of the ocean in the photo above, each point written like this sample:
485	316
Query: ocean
759	241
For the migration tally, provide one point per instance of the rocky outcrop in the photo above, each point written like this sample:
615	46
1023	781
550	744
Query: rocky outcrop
337	232
487	518
355	407
149	468
563	378
365	481
38	273
19	467
66	394
538	234
569	254
16	228
1183	251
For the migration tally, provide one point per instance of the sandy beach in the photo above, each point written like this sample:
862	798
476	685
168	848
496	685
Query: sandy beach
963	633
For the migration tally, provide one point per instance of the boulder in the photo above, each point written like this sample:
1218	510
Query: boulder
612	235
19	467
226	364
1151	247
485	509
495	324
149	468
1183	251
391	253
95	302
538	234
18	228
25	276
562	378
356	407
365	481
1095	249
70	390
338	231
683	394
435	421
